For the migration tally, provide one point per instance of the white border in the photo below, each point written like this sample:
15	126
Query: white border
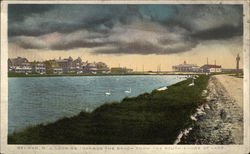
109	148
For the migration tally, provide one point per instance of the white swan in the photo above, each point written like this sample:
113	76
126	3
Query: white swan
163	88
108	93
191	84
128	91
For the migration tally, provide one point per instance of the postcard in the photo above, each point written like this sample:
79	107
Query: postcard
125	76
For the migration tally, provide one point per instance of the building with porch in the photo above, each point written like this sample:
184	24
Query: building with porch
39	68
186	67
209	68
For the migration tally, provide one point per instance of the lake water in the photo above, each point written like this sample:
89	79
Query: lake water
35	100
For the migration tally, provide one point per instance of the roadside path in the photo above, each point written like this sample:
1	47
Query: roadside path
234	87
222	121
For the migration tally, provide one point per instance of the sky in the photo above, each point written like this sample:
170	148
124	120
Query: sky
136	36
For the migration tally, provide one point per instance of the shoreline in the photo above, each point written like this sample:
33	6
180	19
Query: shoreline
147	118
115	74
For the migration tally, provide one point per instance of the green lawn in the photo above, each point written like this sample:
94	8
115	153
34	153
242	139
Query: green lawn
151	118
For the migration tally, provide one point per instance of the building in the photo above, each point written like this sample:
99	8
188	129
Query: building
102	67
91	68
19	65
186	67
65	64
209	68
121	70
16	62
77	66
23	68
39	68
57	70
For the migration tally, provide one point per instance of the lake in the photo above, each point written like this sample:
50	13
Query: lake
34	100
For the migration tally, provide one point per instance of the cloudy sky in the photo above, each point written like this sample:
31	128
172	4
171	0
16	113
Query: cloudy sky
127	35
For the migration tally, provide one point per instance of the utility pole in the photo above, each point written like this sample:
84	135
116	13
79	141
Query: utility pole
237	64
215	66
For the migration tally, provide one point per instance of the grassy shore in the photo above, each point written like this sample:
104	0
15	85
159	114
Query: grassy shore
150	118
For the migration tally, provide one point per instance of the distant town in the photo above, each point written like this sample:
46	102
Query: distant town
78	66
62	66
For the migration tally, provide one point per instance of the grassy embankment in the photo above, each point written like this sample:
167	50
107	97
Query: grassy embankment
154	118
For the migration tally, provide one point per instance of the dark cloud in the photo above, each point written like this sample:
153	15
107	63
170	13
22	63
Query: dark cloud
163	29
26	45
77	44
223	32
208	21
18	12
39	20
145	48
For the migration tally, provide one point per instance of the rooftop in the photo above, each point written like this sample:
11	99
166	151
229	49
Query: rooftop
212	66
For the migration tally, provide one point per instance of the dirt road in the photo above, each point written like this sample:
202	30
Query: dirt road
234	87
222	121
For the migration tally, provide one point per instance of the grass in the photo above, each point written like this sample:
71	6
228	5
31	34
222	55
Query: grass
150	118
240	75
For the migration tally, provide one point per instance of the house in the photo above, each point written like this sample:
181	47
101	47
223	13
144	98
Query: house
16	62
77	66
39	68
186	67
102	67
57	70
23	68
65	64
209	68
19	65
91	68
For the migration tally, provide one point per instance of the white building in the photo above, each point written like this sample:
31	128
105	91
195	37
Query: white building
23	68
57	70
19	65
208	68
39	68
186	67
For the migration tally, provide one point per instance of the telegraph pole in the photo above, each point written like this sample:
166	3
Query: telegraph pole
237	64
215	66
